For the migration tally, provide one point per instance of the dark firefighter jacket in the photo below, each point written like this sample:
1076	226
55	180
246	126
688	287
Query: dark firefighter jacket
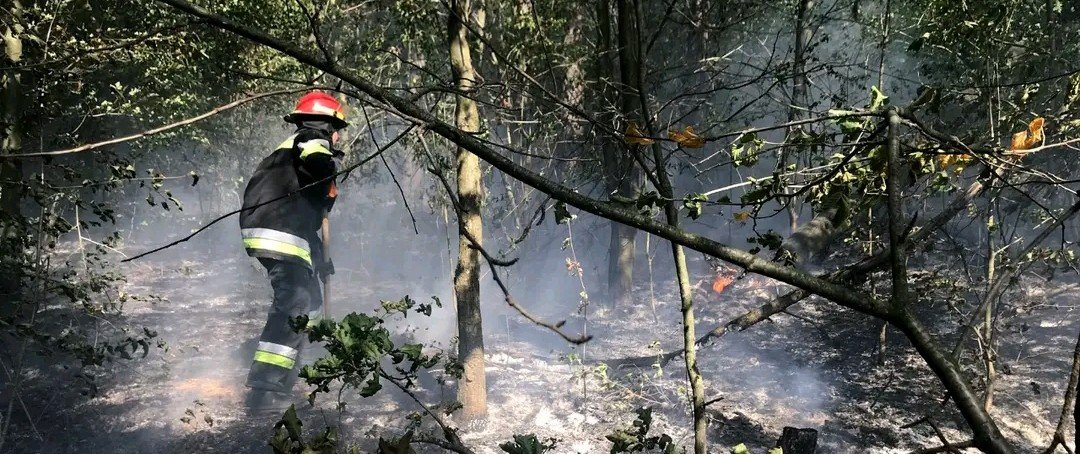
286	229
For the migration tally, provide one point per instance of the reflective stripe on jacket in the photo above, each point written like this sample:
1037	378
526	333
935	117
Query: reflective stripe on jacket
260	242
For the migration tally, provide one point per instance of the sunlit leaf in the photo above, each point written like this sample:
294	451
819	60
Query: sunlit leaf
687	138
1026	140
634	136
877	98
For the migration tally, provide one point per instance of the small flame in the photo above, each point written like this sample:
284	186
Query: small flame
722	281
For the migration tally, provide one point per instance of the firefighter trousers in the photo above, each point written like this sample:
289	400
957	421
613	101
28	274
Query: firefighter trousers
296	292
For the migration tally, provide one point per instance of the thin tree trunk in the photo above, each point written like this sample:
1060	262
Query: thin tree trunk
800	99
10	112
988	316
620	174
632	9
472	389
1068	404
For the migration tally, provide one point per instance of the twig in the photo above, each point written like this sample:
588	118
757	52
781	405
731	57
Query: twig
450	433
158	130
996	287
283	196
947	447
713	401
371	131
104	246
493	262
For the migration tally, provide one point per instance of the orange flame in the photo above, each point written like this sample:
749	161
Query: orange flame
722	281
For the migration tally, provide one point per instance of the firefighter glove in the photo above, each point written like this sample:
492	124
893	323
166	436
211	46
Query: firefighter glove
325	268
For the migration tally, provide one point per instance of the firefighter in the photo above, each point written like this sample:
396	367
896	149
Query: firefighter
282	235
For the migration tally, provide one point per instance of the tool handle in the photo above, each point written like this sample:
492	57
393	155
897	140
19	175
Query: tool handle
326	254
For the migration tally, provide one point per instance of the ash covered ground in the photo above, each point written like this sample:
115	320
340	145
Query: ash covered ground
814	368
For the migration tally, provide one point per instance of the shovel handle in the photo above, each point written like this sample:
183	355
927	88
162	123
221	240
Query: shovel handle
326	279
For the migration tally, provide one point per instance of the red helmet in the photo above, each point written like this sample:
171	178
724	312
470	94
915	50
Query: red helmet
318	105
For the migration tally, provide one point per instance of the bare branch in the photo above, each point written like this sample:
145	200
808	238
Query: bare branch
158	130
450	433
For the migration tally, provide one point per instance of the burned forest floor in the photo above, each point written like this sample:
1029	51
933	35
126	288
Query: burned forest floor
815	367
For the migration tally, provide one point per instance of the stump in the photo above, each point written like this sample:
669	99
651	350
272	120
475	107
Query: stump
798	441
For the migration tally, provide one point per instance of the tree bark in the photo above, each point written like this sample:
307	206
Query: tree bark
472	388
11	191
621	175
800	99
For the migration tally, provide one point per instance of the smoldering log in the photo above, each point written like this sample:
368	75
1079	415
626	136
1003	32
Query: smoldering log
798	441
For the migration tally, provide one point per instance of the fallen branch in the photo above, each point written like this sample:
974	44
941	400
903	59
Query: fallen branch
158	130
855	272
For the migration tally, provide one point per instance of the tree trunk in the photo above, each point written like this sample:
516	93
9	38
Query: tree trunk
989	356
11	192
800	99
472	389
631	9
621	177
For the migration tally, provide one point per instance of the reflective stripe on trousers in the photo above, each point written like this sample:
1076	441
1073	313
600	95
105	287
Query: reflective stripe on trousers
296	293
276	354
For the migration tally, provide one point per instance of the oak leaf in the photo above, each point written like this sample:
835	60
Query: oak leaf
1026	140
687	138
634	136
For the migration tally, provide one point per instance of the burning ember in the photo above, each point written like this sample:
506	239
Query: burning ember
722	281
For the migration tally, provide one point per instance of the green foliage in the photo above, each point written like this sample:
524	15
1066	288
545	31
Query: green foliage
770	240
288	437
399	445
527	444
694	203
356	348
636	437
746	151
